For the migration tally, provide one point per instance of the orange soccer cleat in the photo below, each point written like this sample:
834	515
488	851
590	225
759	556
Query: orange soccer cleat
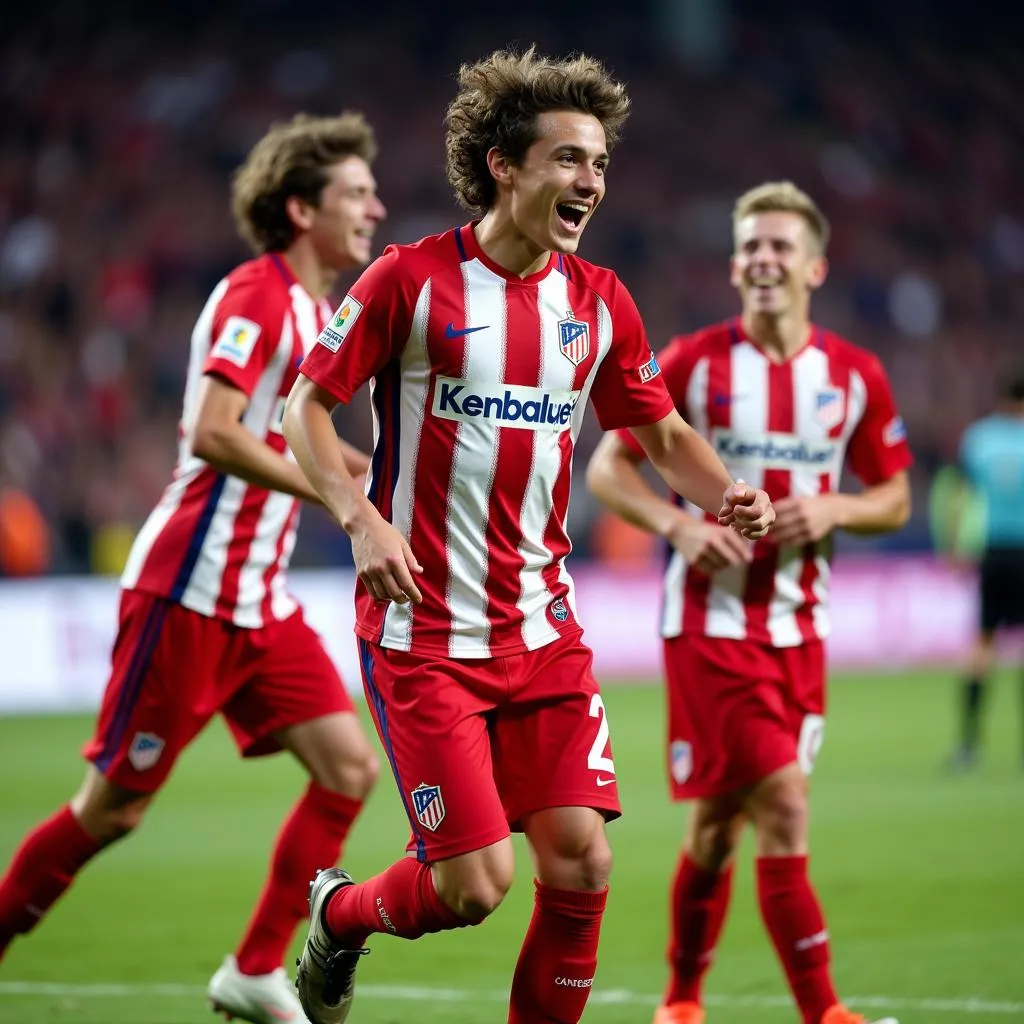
839	1014
679	1013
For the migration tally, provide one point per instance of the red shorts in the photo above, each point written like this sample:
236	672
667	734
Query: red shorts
173	669
478	744
738	711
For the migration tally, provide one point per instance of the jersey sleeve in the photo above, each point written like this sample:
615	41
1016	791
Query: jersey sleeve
677	360
246	331
369	329
878	446
628	389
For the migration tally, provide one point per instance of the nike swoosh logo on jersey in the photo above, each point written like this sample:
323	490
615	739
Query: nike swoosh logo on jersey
451	331
603	782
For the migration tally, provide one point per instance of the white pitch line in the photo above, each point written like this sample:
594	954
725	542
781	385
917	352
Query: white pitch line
605	997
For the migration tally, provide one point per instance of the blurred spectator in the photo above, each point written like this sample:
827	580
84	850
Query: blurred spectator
119	139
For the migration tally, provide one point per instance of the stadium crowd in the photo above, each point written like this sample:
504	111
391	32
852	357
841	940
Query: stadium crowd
120	137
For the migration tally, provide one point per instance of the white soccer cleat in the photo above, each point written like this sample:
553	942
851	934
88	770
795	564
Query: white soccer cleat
326	974
258	998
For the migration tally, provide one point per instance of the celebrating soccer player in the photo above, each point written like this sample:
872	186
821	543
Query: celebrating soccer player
783	402
206	620
483	346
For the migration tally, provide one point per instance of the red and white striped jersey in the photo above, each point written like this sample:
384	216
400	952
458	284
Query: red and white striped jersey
215	543
479	384
785	427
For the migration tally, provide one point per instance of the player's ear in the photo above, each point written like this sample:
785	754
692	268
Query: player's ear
300	213
817	271
499	165
735	272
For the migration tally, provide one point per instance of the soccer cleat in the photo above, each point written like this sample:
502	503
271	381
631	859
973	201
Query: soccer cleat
839	1014
326	974
679	1013
258	998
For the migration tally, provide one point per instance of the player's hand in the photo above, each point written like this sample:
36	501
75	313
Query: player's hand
805	519
707	546
385	562
747	510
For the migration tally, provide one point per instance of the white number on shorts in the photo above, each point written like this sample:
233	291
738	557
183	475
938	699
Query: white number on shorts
812	732
596	760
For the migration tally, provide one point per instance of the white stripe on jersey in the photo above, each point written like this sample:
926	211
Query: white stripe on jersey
473	466
277	508
412	398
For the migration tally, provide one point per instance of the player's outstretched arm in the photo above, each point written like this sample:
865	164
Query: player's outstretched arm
218	436
614	477
383	559
692	469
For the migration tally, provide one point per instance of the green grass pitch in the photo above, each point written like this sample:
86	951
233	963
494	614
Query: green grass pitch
921	874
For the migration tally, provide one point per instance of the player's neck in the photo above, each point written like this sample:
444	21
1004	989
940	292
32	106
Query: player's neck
317	279
779	337
496	234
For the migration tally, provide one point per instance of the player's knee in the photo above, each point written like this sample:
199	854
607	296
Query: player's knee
477	896
713	844
781	815
359	773
108	824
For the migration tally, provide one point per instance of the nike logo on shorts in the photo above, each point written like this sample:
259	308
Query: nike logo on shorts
603	782
451	331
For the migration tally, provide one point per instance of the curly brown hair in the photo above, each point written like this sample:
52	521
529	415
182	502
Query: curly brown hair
784	197
497	105
292	160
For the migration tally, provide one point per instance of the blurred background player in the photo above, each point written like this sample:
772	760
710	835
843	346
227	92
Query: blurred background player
206	621
482	346
783	402
992	464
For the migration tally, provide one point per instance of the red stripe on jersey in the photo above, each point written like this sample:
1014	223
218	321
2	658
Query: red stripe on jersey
718	399
761	574
515	457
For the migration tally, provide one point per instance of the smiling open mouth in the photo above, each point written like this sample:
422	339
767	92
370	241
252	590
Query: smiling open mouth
572	214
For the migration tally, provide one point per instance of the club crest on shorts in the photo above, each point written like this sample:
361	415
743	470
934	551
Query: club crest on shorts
145	750
573	339
680	759
560	609
428	805
830	407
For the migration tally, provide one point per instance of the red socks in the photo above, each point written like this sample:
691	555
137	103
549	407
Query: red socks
794	920
42	869
559	957
401	901
310	838
700	900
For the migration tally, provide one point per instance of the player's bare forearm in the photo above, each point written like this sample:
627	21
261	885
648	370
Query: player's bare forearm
614	478
883	508
356	462
234	450
218	436
685	461
309	431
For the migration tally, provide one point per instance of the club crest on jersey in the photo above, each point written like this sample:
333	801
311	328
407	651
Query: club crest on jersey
573	339
560	609
145	750
428	805
830	407
680	757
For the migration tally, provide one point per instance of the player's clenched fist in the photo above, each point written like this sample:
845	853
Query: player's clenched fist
747	510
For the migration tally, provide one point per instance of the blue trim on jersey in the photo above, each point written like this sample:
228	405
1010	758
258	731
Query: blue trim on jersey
463	256
819	339
563	268
188	563
734	332
366	664
392	391
132	685
282	269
